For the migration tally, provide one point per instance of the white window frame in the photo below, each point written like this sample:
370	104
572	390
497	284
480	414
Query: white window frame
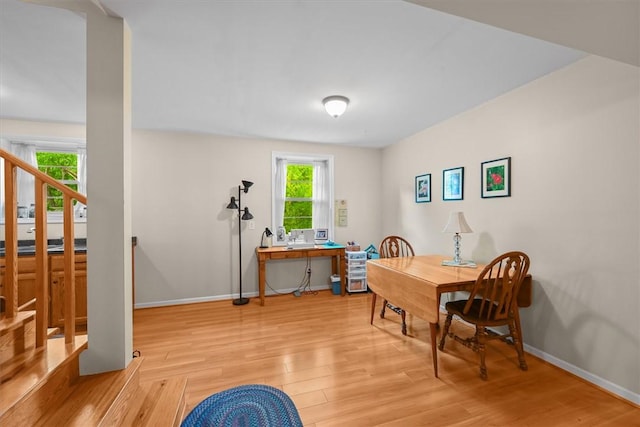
298	158
60	145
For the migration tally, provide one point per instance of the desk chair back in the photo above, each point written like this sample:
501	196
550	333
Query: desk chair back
393	247
492	302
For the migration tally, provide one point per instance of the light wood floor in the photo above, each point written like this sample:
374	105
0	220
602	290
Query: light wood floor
341	371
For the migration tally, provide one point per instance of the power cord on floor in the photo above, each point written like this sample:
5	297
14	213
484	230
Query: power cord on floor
305	284
275	291
304	288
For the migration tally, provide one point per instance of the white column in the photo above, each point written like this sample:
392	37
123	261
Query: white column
109	281
110	305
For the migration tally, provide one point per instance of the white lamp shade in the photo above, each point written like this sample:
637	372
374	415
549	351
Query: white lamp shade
335	105
457	224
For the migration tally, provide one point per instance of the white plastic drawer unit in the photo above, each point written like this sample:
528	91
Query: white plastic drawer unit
356	285
356	271
359	273
356	255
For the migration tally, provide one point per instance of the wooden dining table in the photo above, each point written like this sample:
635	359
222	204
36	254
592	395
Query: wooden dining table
416	283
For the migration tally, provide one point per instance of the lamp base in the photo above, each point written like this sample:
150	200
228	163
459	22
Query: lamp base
453	263
240	301
263	246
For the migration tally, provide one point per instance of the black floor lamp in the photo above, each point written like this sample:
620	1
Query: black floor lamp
241	216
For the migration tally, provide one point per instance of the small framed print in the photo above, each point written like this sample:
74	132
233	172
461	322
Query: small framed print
452	183
496	178
281	236
322	235
423	188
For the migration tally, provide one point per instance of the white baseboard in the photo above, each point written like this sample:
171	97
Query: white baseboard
181	301
587	376
222	297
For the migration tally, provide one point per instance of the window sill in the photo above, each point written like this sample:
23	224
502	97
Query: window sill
53	219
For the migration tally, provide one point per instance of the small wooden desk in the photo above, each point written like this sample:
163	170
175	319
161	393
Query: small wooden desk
338	263
416	283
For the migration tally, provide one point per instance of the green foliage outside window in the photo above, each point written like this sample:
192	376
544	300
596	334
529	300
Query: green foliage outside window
62	167
298	205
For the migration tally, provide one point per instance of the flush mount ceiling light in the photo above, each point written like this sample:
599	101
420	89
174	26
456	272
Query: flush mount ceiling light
335	105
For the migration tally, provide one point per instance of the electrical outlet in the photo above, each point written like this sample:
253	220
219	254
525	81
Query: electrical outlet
252	225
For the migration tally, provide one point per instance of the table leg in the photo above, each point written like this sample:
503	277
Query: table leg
434	350
261	280
336	268
373	306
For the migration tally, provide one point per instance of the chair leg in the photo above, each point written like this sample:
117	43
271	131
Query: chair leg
373	305
445	331
384	306
403	314
517	343
481	332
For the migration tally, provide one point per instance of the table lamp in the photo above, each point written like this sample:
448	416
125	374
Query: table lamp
457	224
265	233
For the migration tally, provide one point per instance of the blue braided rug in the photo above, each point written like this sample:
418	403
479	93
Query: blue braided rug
253	405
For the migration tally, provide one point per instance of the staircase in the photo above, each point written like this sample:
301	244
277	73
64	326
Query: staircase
42	387
40	381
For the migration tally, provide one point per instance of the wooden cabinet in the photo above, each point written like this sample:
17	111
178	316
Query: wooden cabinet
27	286
26	278
56	290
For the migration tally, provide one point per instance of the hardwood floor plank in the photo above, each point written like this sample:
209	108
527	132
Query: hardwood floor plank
341	371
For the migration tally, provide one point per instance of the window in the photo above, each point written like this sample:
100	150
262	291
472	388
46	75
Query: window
64	161
302	193
62	167
298	200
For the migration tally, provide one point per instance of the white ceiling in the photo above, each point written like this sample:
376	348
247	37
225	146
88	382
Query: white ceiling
261	68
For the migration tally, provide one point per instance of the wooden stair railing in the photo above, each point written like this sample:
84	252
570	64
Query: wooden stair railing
11	164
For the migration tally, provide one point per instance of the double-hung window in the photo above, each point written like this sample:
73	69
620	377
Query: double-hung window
63	167
302	193
64	161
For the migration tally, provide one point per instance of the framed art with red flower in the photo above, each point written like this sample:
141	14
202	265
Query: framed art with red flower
496	178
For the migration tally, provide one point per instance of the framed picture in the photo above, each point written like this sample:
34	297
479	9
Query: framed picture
281	236
496	178
322	235
452	183
423	188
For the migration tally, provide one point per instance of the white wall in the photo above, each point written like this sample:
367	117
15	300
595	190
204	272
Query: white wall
574	142
187	244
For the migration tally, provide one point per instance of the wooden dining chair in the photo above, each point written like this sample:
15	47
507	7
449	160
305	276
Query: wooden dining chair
492	303
392	247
